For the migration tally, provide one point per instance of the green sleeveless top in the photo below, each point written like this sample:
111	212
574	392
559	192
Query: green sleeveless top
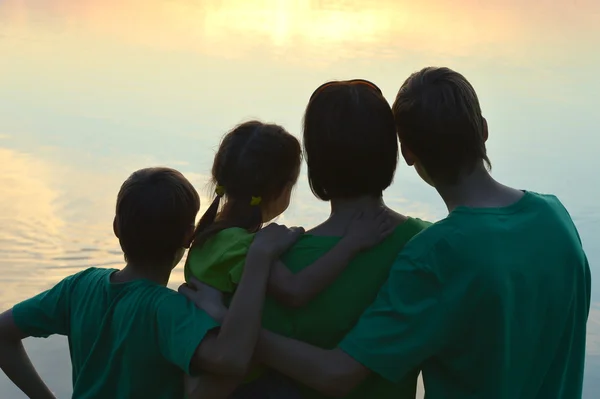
331	315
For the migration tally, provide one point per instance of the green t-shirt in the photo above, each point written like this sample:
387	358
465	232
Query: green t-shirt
332	314
219	262
127	340
490	303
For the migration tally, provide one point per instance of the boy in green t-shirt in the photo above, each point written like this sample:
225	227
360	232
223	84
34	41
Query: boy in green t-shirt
490	302
129	335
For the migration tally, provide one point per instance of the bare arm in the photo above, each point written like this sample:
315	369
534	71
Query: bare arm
298	289
331	372
16	364
229	350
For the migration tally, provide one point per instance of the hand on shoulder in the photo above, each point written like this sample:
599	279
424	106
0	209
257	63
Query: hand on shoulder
205	297
366	231
274	240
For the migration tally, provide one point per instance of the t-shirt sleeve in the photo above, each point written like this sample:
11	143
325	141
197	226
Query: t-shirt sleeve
237	258
181	327
412	318
47	313
220	262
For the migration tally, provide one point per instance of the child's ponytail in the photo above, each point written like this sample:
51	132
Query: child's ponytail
243	213
210	215
255	163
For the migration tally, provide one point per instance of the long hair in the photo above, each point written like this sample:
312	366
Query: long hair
255	160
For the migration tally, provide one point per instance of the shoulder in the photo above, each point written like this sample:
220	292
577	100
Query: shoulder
552	211
173	308
84	281
168	303
411	227
234	233
430	250
309	241
94	273
549	198
548	201
168	298
232	239
87	276
430	235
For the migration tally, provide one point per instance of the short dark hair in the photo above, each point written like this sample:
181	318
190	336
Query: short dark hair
254	159
155	209
350	140
439	119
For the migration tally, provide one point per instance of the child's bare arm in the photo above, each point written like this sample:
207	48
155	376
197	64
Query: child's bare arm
16	364
298	289
228	350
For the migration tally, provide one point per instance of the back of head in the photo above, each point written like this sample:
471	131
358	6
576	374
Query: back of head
255	160
156	207
350	140
439	120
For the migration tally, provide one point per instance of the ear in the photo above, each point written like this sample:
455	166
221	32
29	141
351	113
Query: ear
189	237
116	227
408	155
485	130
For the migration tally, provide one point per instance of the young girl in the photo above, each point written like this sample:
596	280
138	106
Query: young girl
254	172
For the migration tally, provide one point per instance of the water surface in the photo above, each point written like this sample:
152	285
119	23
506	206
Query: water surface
92	90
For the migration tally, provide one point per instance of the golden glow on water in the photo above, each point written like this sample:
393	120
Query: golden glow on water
56	221
323	30
27	195
29	221
94	89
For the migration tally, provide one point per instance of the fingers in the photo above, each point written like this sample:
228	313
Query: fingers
289	237
297	231
280	229
186	291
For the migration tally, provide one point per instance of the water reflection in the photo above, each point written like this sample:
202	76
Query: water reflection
43	237
30	224
235	28
92	90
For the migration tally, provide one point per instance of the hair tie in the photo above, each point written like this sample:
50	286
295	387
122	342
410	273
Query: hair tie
220	191
255	201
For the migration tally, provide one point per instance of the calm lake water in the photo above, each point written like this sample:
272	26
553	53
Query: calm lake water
91	90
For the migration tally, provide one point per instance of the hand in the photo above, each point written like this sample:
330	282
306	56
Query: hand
365	232
205	297
275	239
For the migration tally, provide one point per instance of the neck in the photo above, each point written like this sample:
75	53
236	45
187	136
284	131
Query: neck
352	205
159	273
477	190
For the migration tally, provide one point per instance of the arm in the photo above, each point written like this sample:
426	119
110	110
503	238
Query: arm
331	372
41	316
16	364
403	327
298	289
229	351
